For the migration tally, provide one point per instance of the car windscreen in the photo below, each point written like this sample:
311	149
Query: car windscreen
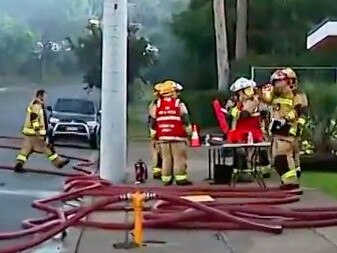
74	106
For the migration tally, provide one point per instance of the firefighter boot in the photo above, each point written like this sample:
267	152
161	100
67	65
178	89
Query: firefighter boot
19	168
61	162
184	182
168	183
167	180
181	179
298	172
156	173
264	164
289	180
265	171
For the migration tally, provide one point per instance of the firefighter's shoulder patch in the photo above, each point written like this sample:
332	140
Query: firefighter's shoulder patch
35	102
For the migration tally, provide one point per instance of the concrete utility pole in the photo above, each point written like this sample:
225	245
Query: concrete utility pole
221	43
113	154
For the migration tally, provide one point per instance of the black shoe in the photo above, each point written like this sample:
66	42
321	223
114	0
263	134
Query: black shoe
183	182
156	175
266	175
64	163
168	183
288	187
19	168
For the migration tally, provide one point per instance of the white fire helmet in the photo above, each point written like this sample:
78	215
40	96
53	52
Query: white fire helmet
242	83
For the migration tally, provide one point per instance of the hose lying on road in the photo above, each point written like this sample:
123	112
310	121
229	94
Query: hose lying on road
240	208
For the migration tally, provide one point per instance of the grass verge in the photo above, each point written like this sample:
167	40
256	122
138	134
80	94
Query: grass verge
137	131
325	181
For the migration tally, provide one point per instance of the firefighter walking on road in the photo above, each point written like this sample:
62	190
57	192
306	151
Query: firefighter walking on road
34	132
170	125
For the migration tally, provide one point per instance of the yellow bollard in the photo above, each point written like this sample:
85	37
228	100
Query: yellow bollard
137	203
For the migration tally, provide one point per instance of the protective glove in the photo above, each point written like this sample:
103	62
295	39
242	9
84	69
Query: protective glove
291	115
153	133
235	112
188	130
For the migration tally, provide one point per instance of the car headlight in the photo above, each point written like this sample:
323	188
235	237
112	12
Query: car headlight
53	120
91	124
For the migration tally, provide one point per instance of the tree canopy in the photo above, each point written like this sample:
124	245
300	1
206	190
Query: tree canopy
276	35
89	49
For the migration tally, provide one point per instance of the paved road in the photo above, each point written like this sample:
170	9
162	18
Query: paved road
17	191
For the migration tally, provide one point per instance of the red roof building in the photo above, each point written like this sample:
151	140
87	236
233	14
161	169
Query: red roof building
323	37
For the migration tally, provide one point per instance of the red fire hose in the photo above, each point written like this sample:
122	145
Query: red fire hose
239	208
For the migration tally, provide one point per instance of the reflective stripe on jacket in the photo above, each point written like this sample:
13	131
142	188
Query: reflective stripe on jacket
169	123
35	122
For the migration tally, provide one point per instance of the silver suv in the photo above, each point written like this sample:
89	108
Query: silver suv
74	118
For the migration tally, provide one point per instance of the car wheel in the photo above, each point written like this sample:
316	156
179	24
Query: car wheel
93	142
94	139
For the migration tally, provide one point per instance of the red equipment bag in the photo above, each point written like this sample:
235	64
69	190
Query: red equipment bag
221	116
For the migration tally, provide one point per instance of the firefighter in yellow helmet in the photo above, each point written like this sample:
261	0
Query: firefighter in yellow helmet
34	132
284	126
170	125
302	111
155	148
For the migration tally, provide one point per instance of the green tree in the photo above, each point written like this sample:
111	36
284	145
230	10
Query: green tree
195	27
89	49
276	35
16	44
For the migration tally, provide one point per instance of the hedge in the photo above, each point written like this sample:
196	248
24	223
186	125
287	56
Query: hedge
199	104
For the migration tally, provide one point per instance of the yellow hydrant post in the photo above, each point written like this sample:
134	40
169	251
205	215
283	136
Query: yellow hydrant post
137	202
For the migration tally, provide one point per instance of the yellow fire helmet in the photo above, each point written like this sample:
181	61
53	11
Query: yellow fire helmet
156	88
177	86
167	89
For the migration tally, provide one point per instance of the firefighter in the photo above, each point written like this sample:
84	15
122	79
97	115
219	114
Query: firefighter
155	149
171	127
302	110
284	126
245	121
34	132
265	111
246	112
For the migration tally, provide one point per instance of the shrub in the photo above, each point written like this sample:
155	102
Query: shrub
199	104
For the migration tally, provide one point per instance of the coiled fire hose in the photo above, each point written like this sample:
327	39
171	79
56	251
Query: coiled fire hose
239	208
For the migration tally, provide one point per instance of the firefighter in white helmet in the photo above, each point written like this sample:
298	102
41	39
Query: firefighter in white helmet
246	112
170	124
246	117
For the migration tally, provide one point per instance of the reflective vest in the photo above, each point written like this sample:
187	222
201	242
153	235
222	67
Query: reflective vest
250	123
169	124
35	125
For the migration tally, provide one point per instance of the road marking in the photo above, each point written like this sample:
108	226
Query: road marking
49	248
3	89
30	193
